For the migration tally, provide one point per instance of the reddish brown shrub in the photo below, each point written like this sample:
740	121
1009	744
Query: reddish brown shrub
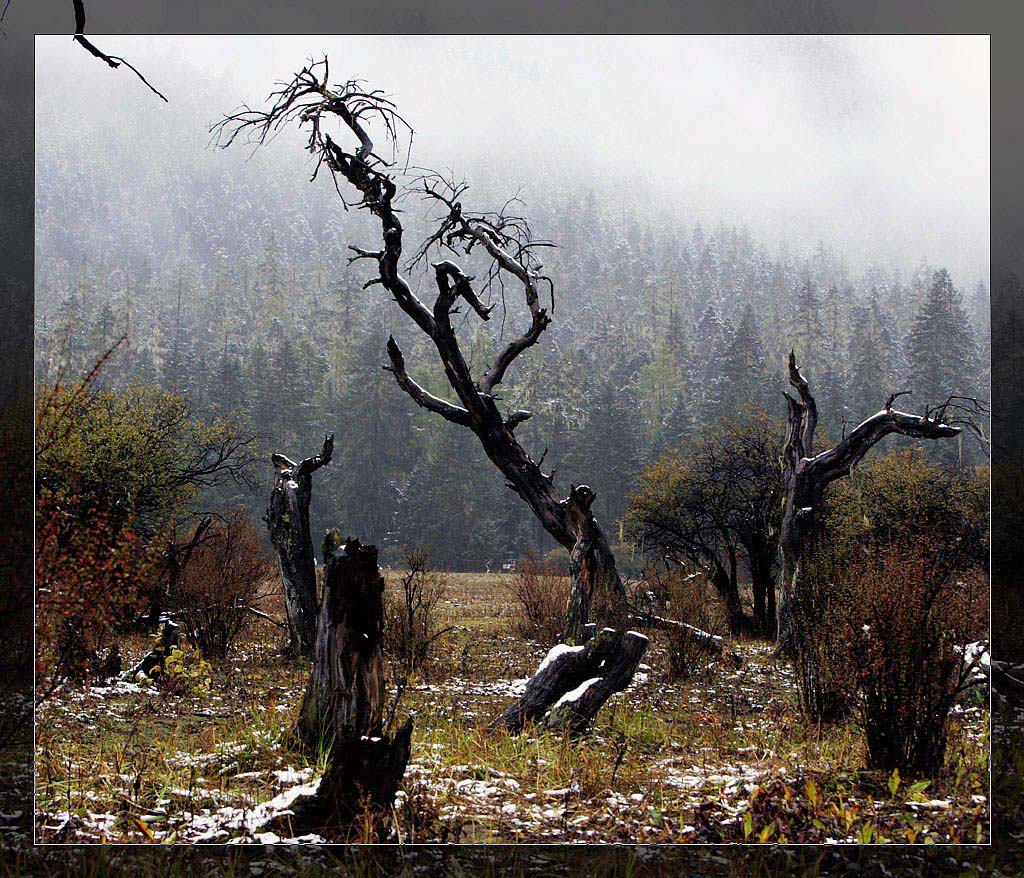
691	599
540	592
92	571
226	578
891	628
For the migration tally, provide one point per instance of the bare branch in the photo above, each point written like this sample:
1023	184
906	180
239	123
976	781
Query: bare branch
113	61
422	397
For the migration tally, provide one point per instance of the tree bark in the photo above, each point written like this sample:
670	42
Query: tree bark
806	476
288	521
343	706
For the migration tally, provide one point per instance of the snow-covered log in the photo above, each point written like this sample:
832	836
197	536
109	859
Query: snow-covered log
573	682
713	644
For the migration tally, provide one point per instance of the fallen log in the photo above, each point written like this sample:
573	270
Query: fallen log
574	682
711	643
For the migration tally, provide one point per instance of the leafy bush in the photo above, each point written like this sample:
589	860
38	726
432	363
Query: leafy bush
540	593
183	672
90	576
411	628
226	577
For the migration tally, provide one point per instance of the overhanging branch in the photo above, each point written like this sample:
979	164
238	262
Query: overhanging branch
421	396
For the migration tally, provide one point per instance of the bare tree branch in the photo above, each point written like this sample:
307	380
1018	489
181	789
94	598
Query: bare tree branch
422	397
114	61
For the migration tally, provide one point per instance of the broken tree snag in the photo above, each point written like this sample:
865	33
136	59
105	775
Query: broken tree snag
573	682
592	571
343	707
155	658
806	475
346	682
288	521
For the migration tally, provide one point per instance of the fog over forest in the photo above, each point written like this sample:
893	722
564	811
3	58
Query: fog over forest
716	202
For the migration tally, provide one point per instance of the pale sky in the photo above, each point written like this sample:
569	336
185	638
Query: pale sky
877	145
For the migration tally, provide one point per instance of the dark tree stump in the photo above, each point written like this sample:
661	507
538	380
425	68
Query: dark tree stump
156	657
288	521
573	682
343	706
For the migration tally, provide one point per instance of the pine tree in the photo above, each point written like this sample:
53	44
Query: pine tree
743	364
871	354
940	344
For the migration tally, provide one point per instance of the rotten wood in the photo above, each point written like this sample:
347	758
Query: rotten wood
344	704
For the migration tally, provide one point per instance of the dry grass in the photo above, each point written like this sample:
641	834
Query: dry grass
665	762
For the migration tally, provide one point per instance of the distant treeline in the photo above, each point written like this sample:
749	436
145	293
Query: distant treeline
233	287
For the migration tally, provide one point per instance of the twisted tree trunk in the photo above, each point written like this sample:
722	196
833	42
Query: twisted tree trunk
806	476
507	239
343	706
288	521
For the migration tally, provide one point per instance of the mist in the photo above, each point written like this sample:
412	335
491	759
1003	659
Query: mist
877	146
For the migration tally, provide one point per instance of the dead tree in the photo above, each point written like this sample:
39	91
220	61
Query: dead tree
288	521
344	704
508	242
806	475
597	594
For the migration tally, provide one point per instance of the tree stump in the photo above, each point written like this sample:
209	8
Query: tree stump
573	682
343	706
156	657
288	521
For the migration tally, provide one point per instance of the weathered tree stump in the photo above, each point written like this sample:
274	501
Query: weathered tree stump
573	682
343	706
288	521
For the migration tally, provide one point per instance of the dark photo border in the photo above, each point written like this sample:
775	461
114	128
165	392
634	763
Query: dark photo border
1002	19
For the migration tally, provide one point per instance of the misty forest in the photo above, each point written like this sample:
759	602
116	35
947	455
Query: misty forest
417	460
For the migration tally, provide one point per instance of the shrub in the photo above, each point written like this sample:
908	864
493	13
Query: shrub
224	579
884	635
411	628
911	616
183	672
689	598
820	642
90	577
540	593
